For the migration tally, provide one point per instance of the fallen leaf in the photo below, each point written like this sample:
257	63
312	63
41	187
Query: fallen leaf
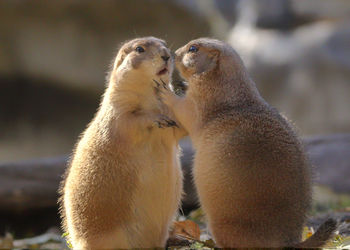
307	232
187	229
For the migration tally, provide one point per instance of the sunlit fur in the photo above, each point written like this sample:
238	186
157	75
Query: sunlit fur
250	170
124	183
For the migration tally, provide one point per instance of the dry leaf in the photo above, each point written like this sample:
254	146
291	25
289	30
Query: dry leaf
307	232
187	229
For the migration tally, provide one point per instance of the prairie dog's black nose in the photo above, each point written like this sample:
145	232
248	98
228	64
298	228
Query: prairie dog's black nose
165	58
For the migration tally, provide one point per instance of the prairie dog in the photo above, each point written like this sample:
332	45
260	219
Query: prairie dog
252	177
124	183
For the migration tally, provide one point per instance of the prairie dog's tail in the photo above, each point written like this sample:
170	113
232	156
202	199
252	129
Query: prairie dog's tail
322	235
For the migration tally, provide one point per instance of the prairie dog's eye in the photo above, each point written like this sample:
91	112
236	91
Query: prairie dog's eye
139	49
193	49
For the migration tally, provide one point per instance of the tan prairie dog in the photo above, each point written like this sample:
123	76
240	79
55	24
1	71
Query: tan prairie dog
124	183
252	176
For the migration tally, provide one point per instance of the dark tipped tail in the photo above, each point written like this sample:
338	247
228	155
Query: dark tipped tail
322	235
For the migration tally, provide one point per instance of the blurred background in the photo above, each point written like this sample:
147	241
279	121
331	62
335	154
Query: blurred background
54	56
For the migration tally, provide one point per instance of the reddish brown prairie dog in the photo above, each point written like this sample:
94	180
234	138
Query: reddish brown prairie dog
252	177
124	183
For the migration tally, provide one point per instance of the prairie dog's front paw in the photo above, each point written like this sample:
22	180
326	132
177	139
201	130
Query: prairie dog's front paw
164	121
163	92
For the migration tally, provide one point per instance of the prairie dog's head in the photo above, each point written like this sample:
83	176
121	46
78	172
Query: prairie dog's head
146	58
204	56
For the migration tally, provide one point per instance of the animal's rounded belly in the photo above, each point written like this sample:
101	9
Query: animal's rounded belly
156	197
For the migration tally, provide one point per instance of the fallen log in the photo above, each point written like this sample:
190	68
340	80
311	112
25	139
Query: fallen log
30	184
330	156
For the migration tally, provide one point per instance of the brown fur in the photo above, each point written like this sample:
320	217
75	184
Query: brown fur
124	184
252	176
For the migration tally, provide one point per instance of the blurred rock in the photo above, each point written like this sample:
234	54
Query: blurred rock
72	43
304	73
228	9
219	26
220	14
322	9
272	14
289	14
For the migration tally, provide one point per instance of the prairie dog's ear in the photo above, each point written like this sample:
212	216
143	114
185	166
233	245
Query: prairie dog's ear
207	61
214	54
119	59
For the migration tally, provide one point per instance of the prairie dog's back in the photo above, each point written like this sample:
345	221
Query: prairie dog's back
251	170
259	145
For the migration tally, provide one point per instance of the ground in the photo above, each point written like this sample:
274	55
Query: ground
192	230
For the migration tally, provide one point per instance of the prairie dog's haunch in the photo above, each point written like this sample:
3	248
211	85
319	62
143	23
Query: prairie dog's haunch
124	183
252	176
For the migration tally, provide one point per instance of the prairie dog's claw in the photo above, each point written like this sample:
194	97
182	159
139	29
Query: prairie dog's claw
165	86
164	122
157	83
162	91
